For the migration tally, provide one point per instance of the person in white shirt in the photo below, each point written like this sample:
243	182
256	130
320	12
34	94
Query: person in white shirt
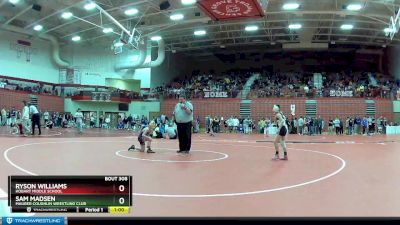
35	118
46	116
108	120
25	119
235	124
79	120
171	131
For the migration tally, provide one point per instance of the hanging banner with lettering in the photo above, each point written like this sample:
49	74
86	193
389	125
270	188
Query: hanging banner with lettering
231	9
215	94
69	78
337	93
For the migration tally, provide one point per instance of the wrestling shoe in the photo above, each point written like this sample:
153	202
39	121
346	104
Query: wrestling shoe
285	158
150	151
131	148
276	157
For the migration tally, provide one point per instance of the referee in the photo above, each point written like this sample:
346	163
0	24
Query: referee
35	118
183	114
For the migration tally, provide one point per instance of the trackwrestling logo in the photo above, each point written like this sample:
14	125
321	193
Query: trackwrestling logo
33	220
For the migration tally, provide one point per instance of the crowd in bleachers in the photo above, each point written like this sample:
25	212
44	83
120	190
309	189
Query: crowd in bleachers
293	84
197	84
298	85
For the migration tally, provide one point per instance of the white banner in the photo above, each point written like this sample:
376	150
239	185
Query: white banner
215	94
293	109
337	93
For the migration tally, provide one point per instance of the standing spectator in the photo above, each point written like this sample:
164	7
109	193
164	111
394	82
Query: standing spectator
295	125
79	120
46	116
197	125
101	120
183	114
341	126
336	122
330	127
357	125
370	127
35	119
246	125
207	124
25	119
364	125
92	121
351	122
384	124
129	121
347	125
3	117
13	116
300	125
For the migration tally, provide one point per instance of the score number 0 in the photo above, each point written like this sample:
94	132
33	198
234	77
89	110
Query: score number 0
121	188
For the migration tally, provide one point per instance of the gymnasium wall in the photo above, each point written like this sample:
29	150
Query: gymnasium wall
9	98
40	67
260	108
175	65
97	63
128	85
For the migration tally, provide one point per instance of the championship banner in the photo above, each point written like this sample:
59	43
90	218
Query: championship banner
69	78
231	9
214	94
337	93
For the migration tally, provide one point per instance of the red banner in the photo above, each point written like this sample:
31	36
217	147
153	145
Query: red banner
231	9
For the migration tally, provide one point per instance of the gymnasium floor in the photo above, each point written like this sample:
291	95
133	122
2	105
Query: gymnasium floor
227	175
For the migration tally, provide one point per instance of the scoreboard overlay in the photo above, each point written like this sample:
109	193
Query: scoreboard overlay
70	194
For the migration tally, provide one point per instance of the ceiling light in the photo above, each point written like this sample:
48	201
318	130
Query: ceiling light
354	7
66	15
89	6
251	28
131	12
188	2
291	6
156	38
346	27
295	26
107	30
38	27
13	1
177	16
388	30
76	38
200	32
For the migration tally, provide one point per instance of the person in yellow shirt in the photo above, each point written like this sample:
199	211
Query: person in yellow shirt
262	126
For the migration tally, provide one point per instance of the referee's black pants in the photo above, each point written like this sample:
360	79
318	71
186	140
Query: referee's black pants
184	135
36	121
